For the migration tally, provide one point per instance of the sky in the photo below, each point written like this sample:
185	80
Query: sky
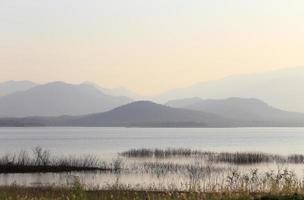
147	46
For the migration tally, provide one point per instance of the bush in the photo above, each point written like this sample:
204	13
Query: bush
77	192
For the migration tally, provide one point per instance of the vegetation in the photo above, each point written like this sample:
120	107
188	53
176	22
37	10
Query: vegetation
41	161
198	179
226	157
274	186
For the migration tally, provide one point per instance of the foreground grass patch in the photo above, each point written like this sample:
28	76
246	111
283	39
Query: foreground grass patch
77	193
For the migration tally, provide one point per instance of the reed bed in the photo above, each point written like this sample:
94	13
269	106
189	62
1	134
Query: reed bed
225	157
161	153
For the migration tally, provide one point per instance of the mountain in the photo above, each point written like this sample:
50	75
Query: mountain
240	110
10	87
58	98
281	88
136	114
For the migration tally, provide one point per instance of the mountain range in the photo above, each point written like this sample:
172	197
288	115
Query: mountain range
58	98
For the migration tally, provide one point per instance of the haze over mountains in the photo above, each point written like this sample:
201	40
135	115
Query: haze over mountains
120	91
281	89
11	87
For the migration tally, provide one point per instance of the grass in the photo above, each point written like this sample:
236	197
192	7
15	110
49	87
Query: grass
270	185
77	193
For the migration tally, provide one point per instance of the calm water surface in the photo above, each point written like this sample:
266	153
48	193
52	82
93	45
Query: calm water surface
107	142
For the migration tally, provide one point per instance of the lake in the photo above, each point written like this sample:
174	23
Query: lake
106	142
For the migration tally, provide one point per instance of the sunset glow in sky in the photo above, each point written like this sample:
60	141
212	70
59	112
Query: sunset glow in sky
148	46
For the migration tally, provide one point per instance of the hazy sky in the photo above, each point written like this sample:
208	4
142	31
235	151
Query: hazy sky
148	46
